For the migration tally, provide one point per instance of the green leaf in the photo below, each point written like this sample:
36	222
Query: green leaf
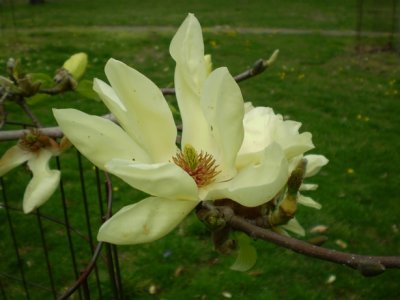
85	88
44	79
247	255
37	98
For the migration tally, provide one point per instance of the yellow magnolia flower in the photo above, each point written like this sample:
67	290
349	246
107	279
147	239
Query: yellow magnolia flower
217	160
36	149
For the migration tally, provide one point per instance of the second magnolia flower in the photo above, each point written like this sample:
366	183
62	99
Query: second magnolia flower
229	150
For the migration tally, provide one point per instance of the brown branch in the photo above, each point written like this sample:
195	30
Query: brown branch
368	265
258	67
168	91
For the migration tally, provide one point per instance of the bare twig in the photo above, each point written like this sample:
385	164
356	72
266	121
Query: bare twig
258	67
29	113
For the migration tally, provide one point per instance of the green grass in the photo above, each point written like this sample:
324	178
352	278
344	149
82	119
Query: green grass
349	102
307	14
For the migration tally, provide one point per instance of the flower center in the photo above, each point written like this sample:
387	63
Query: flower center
201	167
33	141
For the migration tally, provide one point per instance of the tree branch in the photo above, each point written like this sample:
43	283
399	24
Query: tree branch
368	265
54	132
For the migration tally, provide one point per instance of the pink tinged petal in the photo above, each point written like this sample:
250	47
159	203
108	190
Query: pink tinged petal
314	164
307	201
152	124
145	221
13	157
165	180
98	139
255	184
43	183
223	107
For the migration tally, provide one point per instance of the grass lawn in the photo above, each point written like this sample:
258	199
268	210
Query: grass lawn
349	101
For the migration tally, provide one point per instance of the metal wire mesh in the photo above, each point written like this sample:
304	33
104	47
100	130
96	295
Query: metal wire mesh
52	252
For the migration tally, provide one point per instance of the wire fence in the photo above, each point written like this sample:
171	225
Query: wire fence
52	252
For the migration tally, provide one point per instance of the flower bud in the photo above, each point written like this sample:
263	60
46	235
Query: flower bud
76	65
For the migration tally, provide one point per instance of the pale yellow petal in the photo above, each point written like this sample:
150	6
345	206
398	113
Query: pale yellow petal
307	201
43	183
191	70
98	139
223	107
165	180
196	130
314	164
152	124
262	127
145	221
111	100
12	158
294	226
308	187
256	183
116	107
187	47
208	62
293	142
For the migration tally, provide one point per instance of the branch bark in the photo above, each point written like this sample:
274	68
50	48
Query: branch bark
368	265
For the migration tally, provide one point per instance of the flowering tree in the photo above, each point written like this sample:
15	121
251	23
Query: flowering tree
239	167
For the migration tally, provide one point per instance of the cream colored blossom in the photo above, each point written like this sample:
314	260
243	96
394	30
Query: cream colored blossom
36	150
142	151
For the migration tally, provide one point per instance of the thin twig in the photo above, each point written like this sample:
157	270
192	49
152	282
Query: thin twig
258	67
28	111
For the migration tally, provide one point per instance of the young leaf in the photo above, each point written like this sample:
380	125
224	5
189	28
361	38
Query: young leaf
247	255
